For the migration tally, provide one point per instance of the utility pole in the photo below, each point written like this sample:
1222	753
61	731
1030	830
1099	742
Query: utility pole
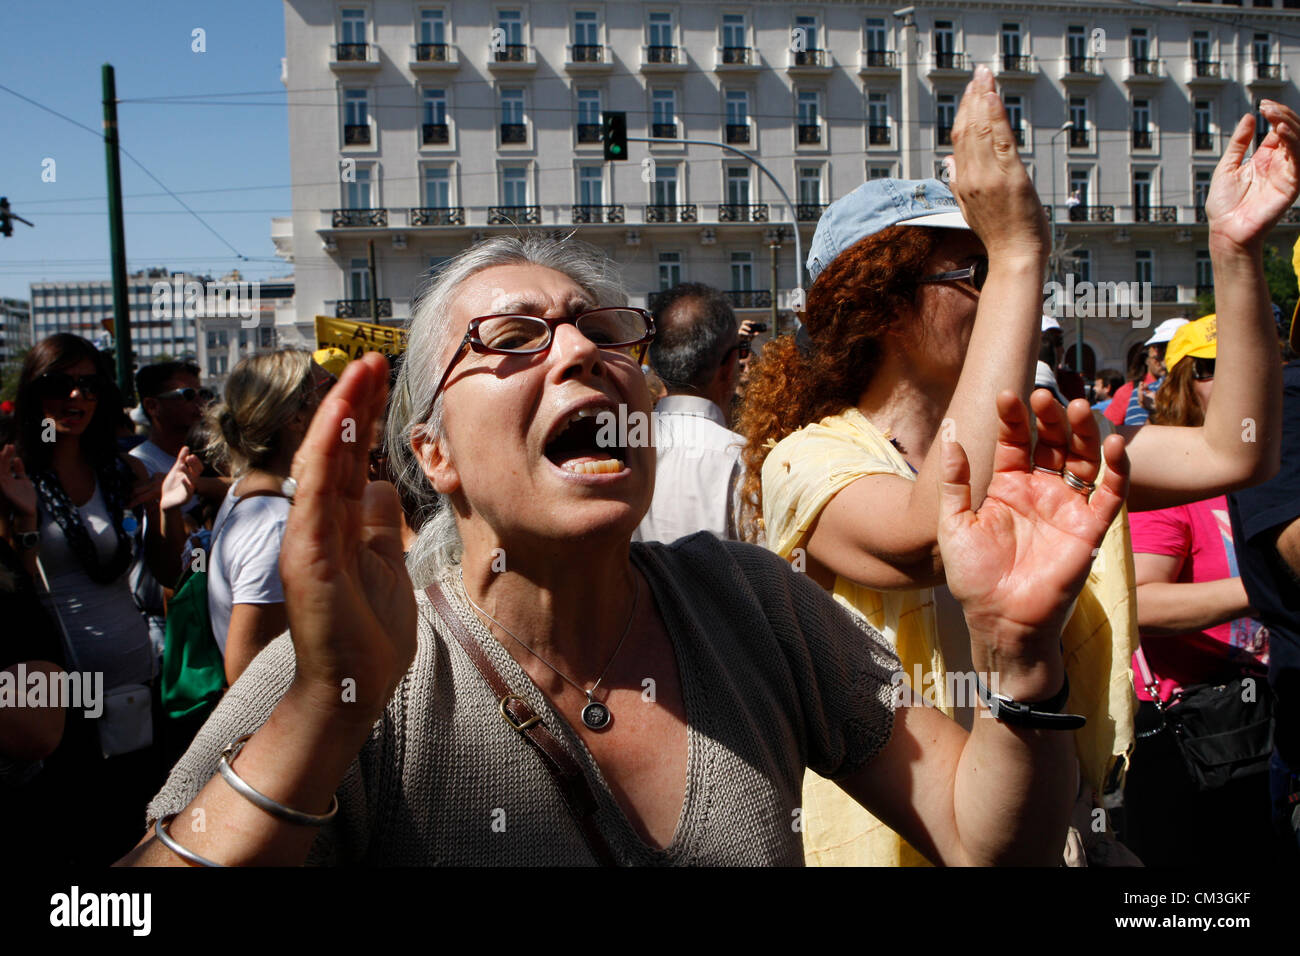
117	240
374	285
774	237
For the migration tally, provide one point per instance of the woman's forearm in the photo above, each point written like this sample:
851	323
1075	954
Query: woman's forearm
1170	608
297	758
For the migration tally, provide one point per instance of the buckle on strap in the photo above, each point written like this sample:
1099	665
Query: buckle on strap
505	714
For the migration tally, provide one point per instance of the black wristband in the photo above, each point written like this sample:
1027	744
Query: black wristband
1044	716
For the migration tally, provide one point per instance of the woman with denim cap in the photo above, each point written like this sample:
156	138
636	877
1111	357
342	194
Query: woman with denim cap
685	687
918	315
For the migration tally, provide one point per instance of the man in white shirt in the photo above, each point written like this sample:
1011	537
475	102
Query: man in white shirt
696	352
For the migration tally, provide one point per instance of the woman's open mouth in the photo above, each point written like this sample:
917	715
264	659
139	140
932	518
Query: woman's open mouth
581	447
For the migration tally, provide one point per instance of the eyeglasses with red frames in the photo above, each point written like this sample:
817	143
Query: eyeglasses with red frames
975	274
618	329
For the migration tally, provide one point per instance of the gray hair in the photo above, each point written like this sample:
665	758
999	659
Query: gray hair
691	342
438	543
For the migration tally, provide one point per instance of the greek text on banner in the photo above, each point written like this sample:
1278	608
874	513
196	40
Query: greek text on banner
357	338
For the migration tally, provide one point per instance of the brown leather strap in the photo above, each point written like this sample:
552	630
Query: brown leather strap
520	716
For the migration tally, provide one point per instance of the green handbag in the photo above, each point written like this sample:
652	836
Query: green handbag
193	667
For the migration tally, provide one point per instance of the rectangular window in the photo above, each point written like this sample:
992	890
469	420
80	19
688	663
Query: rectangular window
591	186
588	107
1201	190
514	186
435	107
742	272
1079	117
737	107
810	186
945	41
356	108
738	185
1076	44
1141	189
880	172
433	27
1144	266
806	29
1202	50
511	23
1011	40
1261	48
664	113
659	30
512	107
664	187
352	26
1139	48
437	187
1079	185
1016	117
1204	271
877	39
670	270
1141	115
359	279
356	193
809	107
878	109
586	29
946	112
734	34
1083	266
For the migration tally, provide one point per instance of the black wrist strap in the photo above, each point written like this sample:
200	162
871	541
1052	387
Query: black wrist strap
1044	716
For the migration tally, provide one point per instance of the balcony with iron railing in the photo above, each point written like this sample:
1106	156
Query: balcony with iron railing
1082	213
1205	72
436	216
809	134
514	215
749	298
737	132
1202	139
1142	139
435	134
1139	70
588	58
434	56
356	134
815	60
1081	69
809	211
742	212
1291	216
354	56
1079	138
514	133
663	130
510	53
950	63
360	309
736	58
681	213
876	62
1266	75
590	133
1164	293
877	135
1013	66
357	218
597	214
1143	213
662	58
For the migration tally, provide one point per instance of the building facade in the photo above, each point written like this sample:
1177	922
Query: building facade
223	340
15	328
421	127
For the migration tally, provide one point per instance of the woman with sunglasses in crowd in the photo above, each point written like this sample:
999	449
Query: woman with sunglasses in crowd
253	432
1196	628
561	695
90	505
922	309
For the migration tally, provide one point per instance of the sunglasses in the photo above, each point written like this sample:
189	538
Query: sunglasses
1202	369
58	385
975	274
188	394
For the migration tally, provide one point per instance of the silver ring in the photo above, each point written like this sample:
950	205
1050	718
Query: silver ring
1077	483
1047	471
289	488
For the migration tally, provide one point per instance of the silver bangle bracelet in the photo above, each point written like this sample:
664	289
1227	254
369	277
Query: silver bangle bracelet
261	800
160	829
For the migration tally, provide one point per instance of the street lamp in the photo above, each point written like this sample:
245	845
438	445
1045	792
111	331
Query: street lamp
1054	258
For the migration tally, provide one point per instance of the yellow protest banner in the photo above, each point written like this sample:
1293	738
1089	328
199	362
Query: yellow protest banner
357	338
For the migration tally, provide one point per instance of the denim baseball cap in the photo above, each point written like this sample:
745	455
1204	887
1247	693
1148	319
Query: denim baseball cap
878	204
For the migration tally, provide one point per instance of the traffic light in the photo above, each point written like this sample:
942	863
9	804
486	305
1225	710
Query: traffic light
614	135
6	218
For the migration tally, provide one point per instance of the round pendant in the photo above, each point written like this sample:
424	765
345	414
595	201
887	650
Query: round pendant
596	715
129	524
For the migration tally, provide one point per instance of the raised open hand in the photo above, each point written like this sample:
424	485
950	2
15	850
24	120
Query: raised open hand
1018	563
988	178
178	485
1248	196
351	608
15	486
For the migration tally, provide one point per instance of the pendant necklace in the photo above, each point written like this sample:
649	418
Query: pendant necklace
595	714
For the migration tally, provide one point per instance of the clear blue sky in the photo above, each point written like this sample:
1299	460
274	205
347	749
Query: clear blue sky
51	51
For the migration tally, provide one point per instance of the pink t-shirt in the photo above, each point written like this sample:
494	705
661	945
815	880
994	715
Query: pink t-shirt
1200	535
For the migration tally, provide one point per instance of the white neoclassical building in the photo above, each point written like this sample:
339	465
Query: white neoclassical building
416	128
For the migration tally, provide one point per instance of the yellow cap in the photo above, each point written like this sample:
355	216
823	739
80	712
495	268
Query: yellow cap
331	360
1199	339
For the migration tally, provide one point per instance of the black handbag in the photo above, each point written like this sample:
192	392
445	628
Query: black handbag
1223	731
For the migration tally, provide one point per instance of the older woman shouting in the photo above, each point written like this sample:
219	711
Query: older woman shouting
559	695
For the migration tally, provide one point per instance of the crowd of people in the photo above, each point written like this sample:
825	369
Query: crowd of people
457	623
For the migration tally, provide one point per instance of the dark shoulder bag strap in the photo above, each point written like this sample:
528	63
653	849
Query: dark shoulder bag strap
516	712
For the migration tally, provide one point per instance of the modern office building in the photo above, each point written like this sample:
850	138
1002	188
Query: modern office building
421	127
15	328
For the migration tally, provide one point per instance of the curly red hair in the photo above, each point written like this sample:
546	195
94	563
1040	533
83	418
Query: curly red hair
855	303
